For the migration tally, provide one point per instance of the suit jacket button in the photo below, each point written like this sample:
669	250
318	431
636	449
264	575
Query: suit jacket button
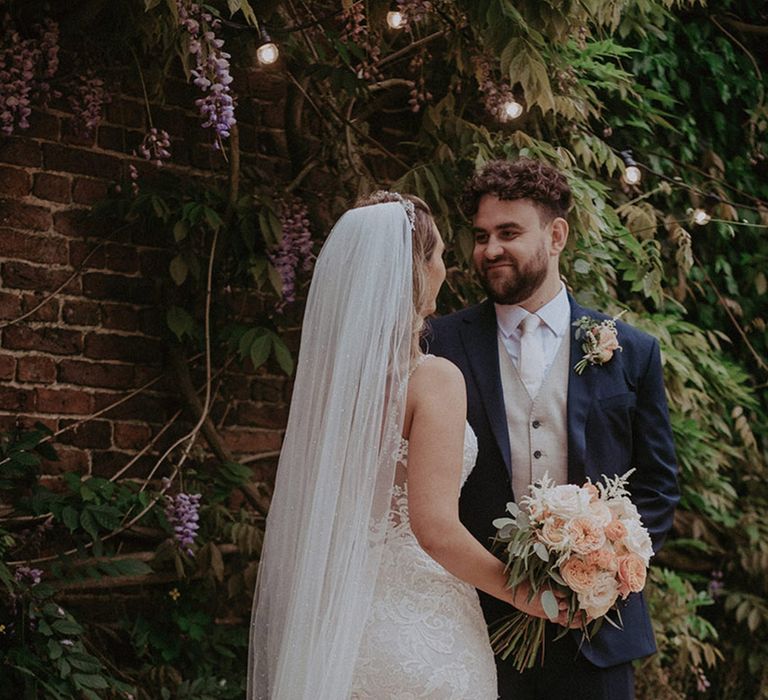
537	454
535	424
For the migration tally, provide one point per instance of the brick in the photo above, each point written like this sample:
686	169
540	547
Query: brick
111	138
10	305
24	216
20	151
119	317
172	120
244	441
48	311
31	248
107	463
80	161
14	182
72	132
17	400
70	459
132	436
88	191
206	157
121	258
92	434
64	401
152	322
127	112
37	368
95	374
87	255
81	313
154	263
132	290
44	339
141	407
7	367
269	389
260	415
43	125
54	188
72	222
129	348
19	275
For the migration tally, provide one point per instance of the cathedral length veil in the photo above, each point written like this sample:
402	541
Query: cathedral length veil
320	561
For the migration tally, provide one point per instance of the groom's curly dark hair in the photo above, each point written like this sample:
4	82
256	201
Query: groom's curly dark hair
519	179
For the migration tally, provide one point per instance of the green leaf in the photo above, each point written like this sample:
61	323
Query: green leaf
549	603
180	231
70	517
90	681
260	347
282	354
179	270
180	322
67	627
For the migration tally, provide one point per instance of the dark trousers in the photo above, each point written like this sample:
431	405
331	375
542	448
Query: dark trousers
565	675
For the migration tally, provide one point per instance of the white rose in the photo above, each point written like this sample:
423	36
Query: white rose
600	513
567	501
623	508
637	540
599	598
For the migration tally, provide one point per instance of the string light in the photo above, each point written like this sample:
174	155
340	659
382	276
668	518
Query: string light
267	53
395	19
512	109
632	174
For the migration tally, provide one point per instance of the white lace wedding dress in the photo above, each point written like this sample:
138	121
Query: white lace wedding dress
425	636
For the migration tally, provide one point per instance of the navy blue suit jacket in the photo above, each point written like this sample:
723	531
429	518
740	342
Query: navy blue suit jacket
617	420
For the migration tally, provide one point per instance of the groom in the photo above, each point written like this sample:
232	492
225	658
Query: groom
533	413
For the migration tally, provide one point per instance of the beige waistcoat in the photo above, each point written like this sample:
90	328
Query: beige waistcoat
538	426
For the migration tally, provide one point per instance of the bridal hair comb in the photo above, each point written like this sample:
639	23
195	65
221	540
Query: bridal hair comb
384	196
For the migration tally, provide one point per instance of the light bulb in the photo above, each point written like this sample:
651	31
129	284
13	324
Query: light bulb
395	19
701	216
267	53
512	109
632	175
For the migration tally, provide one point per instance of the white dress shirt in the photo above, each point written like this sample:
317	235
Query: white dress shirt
556	320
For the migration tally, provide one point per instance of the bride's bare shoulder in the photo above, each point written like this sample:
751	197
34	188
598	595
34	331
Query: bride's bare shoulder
437	377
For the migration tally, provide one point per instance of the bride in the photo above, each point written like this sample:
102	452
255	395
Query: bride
366	586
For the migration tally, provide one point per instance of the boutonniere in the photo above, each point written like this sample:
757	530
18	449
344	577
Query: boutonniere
599	341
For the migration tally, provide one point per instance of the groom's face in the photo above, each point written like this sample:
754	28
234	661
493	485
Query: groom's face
512	248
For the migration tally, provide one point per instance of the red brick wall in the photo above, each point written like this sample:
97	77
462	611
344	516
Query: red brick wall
96	335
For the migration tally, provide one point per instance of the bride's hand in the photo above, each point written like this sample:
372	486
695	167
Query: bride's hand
523	601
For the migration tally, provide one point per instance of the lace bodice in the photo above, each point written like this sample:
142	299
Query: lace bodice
425	637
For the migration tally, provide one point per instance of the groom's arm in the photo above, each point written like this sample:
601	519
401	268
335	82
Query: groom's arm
654	485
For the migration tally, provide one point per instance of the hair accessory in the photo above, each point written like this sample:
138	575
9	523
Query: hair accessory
384	196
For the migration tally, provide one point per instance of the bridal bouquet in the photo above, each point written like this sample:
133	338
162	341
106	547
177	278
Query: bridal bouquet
585	543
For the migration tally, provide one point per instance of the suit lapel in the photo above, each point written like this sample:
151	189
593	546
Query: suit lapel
479	335
581	390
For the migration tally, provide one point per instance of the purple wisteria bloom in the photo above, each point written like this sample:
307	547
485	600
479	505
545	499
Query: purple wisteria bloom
182	513
155	146
87	99
28	575
211	70
295	249
26	65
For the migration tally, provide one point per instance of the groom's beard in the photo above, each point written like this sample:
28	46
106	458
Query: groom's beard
516	283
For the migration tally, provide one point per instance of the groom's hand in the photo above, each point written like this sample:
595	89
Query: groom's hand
531	605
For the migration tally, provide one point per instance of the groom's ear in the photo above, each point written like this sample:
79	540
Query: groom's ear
559	235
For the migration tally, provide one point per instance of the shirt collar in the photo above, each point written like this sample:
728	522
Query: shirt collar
555	314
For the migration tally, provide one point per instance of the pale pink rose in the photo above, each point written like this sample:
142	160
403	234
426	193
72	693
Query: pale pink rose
631	574
603	559
598	598
607	343
615	530
586	535
578	575
623	508
554	534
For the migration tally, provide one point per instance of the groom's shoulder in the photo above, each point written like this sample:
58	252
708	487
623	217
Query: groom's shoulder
458	317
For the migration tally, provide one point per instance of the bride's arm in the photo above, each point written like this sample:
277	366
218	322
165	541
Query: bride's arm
437	406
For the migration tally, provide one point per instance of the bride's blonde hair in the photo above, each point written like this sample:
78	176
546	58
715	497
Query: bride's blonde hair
424	243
